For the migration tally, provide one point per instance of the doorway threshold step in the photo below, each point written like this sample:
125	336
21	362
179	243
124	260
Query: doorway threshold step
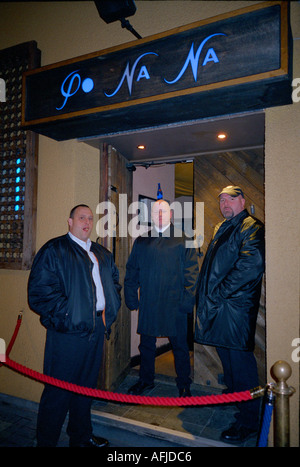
173	437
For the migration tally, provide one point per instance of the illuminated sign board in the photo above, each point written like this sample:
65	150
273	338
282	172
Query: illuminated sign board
231	63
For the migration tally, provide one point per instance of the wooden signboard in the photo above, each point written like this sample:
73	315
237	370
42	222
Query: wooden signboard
232	63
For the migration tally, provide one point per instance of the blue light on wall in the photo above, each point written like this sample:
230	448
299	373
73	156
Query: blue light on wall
17	189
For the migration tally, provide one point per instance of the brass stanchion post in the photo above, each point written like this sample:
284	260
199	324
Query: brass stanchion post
281	371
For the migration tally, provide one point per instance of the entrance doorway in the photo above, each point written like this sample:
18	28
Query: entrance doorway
237	159
200	181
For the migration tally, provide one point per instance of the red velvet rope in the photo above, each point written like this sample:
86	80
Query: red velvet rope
14	336
146	400
131	399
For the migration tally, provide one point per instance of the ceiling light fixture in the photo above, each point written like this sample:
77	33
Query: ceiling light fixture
222	136
141	146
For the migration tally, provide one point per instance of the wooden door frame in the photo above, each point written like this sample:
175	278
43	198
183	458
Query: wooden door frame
114	369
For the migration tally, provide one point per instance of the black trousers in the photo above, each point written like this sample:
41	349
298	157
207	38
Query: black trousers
240	374
180	350
74	359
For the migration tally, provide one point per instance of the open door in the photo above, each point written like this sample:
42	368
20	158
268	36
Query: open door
116	180
212	173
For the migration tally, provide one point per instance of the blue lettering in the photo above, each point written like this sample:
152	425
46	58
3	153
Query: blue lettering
69	92
211	56
143	73
128	75
87	86
73	82
193	59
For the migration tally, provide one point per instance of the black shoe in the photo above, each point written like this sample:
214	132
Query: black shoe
93	442
139	387
236	434
184	392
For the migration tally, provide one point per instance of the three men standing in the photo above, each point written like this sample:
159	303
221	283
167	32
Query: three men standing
74	288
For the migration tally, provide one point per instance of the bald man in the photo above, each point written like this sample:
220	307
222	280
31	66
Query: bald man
160	282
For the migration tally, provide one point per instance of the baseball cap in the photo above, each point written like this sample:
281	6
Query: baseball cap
232	191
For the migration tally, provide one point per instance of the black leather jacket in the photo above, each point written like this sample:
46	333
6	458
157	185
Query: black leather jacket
230	284
61	287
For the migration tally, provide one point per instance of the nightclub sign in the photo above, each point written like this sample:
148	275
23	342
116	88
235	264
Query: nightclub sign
231	63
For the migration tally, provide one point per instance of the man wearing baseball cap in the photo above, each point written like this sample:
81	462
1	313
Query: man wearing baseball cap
229	294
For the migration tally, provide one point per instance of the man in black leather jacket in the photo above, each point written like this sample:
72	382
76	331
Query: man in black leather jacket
228	302
73	286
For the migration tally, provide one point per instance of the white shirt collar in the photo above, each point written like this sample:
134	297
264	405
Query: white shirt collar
163	229
85	245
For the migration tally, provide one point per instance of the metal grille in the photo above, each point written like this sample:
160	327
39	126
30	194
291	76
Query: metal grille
12	162
13	156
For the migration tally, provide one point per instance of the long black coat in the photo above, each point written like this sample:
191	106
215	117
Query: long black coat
165	273
230	284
